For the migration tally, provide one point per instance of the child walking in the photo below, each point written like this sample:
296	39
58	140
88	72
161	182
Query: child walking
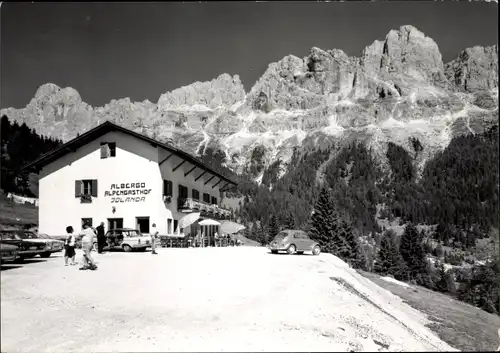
69	245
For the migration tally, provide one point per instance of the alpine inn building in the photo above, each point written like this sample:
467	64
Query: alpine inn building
113	175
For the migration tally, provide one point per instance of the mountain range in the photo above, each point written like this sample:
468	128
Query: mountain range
398	90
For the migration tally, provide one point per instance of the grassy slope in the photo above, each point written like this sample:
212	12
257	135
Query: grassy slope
10	212
459	324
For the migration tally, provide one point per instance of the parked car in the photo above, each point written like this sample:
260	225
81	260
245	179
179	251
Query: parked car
8	253
28	248
126	239
294	241
57	245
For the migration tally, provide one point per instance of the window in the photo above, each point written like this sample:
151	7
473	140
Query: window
143	224
214	200
167	188
176	223
87	221
108	149
196	194
86	187
206	198
169	226
114	223
300	235
183	192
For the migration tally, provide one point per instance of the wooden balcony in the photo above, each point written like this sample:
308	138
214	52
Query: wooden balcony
206	209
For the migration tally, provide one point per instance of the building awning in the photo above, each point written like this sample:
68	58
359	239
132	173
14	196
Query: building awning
209	222
229	227
188	219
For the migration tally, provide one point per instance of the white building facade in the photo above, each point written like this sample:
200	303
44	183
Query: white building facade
126	180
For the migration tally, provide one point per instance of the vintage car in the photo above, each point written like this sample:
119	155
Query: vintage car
294	241
28	248
8	253
125	239
57	244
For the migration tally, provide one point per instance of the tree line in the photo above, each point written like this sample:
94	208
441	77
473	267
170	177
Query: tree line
19	146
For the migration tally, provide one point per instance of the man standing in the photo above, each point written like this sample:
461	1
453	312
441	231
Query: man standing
101	238
154	236
87	244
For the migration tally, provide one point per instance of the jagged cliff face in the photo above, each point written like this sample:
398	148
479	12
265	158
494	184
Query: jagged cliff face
398	88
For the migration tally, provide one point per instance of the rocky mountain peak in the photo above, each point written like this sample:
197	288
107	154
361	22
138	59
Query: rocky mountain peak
398	88
224	90
474	69
406	51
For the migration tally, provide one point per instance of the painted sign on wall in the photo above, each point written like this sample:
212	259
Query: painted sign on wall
127	192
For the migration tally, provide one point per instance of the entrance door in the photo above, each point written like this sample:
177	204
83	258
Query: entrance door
114	223
143	224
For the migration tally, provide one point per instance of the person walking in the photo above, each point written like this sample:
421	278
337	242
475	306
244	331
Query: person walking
69	246
101	238
154	237
216	237
87	244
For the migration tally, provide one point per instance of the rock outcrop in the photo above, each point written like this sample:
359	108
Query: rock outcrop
397	88
475	69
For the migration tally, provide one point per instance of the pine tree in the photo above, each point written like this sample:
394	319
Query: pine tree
441	283
289	221
389	260
273	228
324	223
412	252
353	256
262	234
384	257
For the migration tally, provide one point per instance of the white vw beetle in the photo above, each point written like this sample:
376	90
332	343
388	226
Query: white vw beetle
126	239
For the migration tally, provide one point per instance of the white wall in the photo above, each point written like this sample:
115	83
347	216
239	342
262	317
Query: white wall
188	181
135	161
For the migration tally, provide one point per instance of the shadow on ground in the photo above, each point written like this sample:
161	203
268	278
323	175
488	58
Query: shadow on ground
284	253
9	267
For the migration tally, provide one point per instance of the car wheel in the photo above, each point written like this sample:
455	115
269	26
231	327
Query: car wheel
274	251
127	248
300	252
316	250
45	255
291	249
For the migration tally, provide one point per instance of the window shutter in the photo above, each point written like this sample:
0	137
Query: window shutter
112	149
94	188
165	187
104	151
78	188
170	188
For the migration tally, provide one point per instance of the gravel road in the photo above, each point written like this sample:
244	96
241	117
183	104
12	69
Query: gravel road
210	299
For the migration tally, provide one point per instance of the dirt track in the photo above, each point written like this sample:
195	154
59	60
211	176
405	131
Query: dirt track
211	299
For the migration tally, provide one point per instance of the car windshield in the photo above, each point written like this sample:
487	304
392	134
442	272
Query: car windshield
28	235
9	236
44	236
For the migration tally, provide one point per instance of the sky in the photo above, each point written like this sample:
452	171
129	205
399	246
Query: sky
140	50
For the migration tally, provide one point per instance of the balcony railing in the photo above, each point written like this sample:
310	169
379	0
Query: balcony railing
206	209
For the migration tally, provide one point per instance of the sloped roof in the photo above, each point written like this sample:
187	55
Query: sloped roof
103	129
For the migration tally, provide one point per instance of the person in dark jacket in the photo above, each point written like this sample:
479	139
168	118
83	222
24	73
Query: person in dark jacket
101	238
